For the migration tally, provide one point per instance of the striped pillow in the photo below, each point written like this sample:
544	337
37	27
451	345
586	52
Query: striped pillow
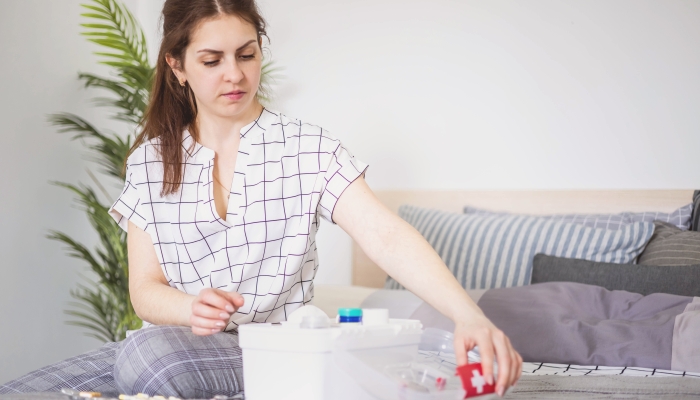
494	251
679	217
695	223
671	246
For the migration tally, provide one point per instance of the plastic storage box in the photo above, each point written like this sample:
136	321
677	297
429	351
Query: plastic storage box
312	360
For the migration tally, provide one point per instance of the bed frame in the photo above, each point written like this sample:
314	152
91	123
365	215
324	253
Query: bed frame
366	273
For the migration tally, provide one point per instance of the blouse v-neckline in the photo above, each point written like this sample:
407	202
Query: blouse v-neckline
206	156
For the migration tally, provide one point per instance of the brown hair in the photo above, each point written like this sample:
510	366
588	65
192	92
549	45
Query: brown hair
172	108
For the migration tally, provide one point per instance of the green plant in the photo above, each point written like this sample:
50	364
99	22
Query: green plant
104	308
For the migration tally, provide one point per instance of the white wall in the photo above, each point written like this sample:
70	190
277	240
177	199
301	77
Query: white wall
42	52
433	94
499	94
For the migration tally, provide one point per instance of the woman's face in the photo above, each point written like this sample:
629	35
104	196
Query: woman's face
222	66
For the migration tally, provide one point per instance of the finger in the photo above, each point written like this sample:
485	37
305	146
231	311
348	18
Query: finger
520	366
202	331
504	361
514	366
486	351
207	323
206	311
460	351
235	298
216	298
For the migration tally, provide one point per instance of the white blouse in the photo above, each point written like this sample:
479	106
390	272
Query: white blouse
287	174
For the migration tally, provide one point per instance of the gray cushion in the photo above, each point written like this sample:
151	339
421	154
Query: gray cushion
683	280
680	217
493	251
695	222
671	246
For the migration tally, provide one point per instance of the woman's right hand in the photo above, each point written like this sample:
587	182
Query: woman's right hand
211	310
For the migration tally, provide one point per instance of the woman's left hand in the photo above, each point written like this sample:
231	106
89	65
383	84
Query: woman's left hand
479	331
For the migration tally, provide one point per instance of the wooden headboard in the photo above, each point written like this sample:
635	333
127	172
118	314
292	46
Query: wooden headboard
366	273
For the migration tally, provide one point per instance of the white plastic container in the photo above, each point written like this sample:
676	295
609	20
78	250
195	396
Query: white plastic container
353	362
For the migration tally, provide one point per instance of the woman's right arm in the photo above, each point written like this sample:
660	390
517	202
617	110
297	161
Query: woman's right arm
158	303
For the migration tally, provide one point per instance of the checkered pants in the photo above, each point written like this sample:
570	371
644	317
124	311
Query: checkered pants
165	360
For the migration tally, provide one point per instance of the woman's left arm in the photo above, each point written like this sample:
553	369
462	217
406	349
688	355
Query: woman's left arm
403	253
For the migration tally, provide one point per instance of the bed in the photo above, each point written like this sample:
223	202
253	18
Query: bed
539	379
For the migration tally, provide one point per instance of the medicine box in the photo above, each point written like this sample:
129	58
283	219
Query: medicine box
291	360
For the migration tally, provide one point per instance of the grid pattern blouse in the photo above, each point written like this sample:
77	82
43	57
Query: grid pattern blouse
287	175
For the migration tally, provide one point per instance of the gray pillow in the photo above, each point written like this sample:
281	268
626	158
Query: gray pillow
494	251
680	217
683	280
671	246
695	222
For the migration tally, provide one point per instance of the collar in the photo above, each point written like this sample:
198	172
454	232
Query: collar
255	128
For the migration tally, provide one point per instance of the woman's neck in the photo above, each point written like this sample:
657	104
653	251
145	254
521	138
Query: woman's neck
216	131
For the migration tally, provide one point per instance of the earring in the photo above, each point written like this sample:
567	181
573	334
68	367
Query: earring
182	82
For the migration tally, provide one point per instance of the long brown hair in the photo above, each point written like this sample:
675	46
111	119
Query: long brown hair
172	108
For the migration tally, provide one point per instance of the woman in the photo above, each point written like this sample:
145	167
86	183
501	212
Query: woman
221	203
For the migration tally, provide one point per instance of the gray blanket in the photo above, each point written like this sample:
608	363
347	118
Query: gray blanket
573	323
566	322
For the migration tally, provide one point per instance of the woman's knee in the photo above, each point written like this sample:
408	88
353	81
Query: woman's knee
172	361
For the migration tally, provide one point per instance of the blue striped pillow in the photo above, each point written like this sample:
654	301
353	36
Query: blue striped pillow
679	218
494	251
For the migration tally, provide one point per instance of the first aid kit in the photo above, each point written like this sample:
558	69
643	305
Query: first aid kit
362	354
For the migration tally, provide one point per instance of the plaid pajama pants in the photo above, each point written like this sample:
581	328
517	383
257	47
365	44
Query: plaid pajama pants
164	360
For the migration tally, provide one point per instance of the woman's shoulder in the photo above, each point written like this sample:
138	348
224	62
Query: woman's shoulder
144	161
296	127
145	153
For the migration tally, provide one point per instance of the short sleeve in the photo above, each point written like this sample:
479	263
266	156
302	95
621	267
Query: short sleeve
343	170
128	206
